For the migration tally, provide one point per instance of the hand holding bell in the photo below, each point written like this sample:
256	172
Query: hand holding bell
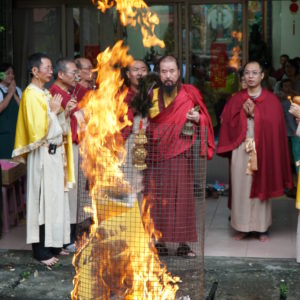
192	115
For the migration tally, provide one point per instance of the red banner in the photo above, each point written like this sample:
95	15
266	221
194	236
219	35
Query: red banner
218	61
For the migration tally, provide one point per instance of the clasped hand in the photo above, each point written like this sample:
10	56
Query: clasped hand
12	88
70	106
55	103
248	107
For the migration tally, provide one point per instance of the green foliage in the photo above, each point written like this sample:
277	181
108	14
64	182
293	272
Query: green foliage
2	28
2	76
25	274
283	290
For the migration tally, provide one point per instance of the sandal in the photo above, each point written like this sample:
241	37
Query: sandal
162	250
185	251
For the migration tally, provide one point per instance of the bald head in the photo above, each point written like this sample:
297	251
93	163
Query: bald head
168	59
82	62
136	70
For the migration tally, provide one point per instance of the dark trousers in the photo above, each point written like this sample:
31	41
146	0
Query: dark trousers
72	235
40	252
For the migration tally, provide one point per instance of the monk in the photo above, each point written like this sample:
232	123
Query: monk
43	141
169	183
135	71
66	85
253	137
133	74
85	72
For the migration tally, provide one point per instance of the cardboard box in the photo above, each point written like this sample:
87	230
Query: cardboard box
11	171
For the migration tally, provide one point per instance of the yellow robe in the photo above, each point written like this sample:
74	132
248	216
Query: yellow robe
47	196
32	128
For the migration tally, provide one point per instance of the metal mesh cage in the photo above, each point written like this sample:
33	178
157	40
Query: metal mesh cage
139	235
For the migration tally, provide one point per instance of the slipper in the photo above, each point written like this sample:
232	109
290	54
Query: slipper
185	251
162	250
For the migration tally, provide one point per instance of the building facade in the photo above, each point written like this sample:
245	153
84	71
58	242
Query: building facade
212	39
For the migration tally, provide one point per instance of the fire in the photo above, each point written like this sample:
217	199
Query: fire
133	12
237	35
235	61
118	257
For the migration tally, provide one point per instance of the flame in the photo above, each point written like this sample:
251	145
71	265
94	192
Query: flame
134	12
118	256
237	35
235	61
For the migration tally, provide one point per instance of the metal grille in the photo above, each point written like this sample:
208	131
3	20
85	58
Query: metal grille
172	187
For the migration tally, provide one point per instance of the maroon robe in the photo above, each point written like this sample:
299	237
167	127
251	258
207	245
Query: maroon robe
77	93
130	115
169	178
274	173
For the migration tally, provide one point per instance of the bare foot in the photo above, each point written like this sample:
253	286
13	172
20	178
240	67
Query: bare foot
263	237
49	263
240	236
64	252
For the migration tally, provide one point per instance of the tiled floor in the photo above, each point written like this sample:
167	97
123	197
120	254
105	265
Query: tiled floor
219	241
282	243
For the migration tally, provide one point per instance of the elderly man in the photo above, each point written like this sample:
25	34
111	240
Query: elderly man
42	141
65	84
86	76
253	136
169	186
137	70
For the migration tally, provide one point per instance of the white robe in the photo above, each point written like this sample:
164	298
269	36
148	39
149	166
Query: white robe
247	214
47	200
73	202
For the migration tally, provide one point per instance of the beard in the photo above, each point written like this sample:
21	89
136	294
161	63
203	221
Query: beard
168	89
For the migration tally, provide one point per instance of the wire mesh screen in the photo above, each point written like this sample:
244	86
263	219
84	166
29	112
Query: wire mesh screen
143	237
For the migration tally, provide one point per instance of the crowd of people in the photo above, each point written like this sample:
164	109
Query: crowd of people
41	130
40	127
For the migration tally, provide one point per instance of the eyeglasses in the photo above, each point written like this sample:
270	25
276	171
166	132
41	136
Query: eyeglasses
75	72
254	73
87	68
47	69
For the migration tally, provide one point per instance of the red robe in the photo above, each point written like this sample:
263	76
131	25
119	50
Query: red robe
274	173
169	178
78	94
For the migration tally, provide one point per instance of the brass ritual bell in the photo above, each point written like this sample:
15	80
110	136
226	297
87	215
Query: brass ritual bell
139	153
188	128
